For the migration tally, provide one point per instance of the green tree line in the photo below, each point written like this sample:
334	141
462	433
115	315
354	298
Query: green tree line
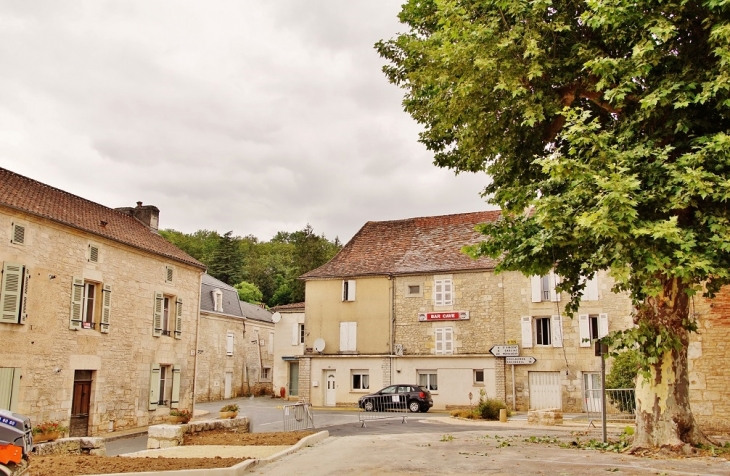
261	271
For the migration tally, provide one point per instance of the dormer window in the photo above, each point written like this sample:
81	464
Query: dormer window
217	300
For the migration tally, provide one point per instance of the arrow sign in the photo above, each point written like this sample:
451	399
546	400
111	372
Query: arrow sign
520	360
505	351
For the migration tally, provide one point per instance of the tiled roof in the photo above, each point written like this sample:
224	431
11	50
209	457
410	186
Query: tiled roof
293	307
30	196
257	313
411	246
231	303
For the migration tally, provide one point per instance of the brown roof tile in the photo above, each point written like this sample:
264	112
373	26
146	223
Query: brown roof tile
30	196
414	245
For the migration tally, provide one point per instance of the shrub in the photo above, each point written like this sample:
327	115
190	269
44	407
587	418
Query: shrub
623	373
49	427
186	414
488	408
232	407
461	413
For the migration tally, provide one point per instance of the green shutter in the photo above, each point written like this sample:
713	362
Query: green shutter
106	308
178	319
157	321
24	297
10	289
175	398
154	386
77	301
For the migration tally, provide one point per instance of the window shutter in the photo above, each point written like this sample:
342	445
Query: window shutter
344	290
527	331
590	292
439	340
77	299
557	331
343	336
352	336
175	397
178	318
295	333
351	290
554	281
169	274
536	285
448	292
23	296
106	308
154	386
438	292
585	332
10	301
93	254
229	344
448	340
271	343
602	325
18	237
157	315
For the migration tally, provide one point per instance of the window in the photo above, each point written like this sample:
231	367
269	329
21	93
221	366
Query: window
164	386
217	300
93	254
590	292
543	288
90	305
428	379
229	343
17	234
14	293
414	290
167	316
444	340
543	331
297	334
266	373
443	291
348	290
592	327
348	336
10	385
169	274
479	377
360	380
301	333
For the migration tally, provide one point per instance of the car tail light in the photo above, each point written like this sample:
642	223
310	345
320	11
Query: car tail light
421	395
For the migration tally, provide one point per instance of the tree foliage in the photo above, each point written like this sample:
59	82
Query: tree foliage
606	119
249	292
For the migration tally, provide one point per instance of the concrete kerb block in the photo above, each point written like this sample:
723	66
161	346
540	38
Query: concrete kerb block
547	417
165	436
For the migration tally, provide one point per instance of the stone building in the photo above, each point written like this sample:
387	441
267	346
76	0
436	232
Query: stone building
260	338
401	303
288	347
99	312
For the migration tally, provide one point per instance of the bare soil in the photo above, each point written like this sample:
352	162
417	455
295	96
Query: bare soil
66	465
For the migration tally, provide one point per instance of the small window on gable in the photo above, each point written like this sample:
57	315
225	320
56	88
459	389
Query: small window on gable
414	290
169	274
93	254
348	290
217	300
17	234
479	376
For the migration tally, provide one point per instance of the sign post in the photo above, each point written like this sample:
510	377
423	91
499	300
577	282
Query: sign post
520	360
505	350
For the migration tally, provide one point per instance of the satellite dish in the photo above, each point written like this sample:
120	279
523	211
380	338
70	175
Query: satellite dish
276	317
319	345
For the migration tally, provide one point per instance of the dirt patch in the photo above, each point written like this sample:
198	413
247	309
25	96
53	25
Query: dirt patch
64	465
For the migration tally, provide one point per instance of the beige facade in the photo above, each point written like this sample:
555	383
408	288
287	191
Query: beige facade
112	346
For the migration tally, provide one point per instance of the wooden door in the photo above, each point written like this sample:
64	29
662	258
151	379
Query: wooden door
80	404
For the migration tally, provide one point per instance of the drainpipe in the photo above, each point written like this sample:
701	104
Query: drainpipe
392	327
197	339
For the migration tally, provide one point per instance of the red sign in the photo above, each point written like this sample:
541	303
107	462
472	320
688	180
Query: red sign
444	316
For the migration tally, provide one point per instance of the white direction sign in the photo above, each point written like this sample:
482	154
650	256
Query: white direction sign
520	360
505	350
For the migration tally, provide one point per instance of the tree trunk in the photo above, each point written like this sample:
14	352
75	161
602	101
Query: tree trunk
663	413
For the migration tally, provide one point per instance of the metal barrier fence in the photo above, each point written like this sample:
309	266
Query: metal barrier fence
298	417
381	407
620	404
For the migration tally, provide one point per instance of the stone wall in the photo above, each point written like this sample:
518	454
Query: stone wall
167	436
71	446
47	353
214	362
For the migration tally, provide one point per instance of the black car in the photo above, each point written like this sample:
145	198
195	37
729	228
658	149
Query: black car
398	397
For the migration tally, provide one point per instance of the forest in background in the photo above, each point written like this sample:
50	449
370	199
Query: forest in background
262	271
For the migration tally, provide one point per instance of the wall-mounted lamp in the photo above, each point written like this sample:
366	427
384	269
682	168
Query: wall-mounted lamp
51	276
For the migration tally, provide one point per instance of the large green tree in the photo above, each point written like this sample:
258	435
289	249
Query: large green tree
608	120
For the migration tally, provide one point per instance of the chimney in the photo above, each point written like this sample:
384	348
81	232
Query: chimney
149	215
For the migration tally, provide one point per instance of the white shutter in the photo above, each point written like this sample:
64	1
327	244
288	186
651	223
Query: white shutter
106	308
438	293
554	281
602	325
585	330
157	315
536	286
229	344
351	290
77	300
154	386
178	318
271	343
557	330
295	334
439	340
590	292
526	331
352	336
448	340
448	292
344	290
175	397
343	336
10	300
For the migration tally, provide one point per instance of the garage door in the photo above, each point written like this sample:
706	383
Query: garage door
545	390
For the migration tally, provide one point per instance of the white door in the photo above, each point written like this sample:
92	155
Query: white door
227	387
545	390
330	394
592	389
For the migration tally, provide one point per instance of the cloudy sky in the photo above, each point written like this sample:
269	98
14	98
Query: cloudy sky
247	115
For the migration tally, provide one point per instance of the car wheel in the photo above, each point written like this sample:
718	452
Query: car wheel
414	406
424	409
368	405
